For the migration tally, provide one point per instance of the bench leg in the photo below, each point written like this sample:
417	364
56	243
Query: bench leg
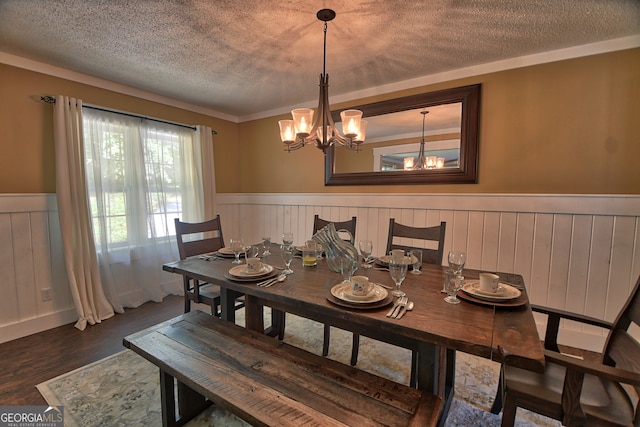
168	400
190	402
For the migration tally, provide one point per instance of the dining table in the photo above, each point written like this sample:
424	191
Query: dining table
503	332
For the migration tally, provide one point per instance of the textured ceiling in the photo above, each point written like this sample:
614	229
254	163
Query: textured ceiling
247	57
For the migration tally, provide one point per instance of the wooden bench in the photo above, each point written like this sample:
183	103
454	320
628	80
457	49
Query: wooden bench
267	382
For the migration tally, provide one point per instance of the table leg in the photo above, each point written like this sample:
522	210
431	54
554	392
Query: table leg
436	373
253	314
228	304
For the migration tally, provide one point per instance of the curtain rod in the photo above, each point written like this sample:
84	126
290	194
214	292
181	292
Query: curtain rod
52	100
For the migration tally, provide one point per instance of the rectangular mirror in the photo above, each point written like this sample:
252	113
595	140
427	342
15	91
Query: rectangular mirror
391	149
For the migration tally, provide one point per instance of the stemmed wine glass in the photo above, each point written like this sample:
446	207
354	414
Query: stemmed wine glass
457	260
398	270
237	246
287	239
287	257
366	247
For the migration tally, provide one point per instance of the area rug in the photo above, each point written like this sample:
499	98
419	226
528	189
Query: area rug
123	389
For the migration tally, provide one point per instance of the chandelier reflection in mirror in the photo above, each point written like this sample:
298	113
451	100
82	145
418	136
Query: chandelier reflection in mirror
319	128
423	161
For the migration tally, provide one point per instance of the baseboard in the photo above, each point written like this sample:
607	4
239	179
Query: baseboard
37	324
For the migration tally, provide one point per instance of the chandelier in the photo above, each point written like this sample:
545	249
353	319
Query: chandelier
319	128
423	162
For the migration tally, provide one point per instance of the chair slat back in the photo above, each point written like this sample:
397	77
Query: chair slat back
349	225
433	234
195	238
622	349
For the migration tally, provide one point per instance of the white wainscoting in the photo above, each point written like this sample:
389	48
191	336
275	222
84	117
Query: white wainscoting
578	253
31	253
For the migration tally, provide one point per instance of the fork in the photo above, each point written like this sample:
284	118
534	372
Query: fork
403	304
267	282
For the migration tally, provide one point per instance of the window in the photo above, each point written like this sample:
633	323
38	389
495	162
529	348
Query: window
134	176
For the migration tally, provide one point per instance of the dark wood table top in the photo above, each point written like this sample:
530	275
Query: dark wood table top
498	333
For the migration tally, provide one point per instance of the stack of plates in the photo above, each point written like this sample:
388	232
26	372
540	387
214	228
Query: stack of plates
239	273
227	253
342	294
504	295
386	259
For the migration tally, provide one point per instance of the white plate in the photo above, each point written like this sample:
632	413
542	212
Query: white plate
227	252
505	292
241	271
384	260
344	292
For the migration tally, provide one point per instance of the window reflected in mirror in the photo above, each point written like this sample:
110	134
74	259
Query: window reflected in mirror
397	151
393	141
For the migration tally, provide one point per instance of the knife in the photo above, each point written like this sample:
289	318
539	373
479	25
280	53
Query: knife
395	305
404	309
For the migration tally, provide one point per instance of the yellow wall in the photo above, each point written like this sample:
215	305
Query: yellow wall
27	163
570	127
567	127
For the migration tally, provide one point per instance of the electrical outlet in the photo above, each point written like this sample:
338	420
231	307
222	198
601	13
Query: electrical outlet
45	293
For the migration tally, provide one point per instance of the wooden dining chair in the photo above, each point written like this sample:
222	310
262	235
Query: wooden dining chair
430	255
197	239
580	392
319	224
433	235
349	225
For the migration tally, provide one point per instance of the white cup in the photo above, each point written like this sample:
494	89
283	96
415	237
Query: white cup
361	285
489	282
253	265
397	255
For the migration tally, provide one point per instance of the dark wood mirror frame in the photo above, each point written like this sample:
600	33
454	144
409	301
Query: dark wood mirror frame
468	168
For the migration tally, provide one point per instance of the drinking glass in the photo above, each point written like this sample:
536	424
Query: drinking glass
366	247
398	270
348	266
266	246
237	246
457	260
251	252
287	239
287	257
416	255
452	283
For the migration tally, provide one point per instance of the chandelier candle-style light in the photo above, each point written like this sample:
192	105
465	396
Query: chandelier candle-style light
309	127
424	162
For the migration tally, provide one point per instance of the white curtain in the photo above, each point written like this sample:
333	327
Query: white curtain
73	208
142	175
205	139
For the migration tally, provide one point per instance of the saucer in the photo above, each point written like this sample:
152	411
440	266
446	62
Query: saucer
386	259
344	292
227	252
505	292
242	272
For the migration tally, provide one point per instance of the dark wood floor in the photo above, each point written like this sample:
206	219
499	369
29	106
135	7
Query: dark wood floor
28	361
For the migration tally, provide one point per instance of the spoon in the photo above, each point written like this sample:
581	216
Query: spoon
278	280
409	307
